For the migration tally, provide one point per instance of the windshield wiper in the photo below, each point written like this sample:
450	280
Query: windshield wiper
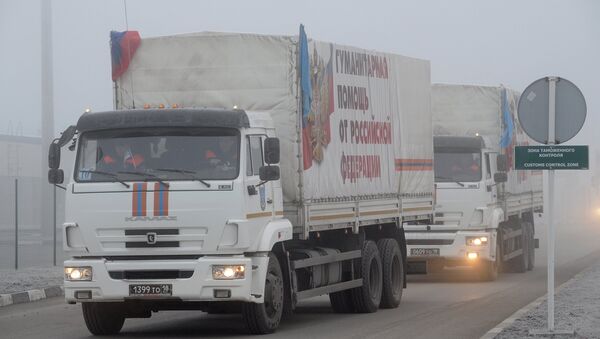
450	179
147	175
190	174
108	174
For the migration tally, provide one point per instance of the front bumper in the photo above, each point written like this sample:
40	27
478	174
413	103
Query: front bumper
452	245
199	287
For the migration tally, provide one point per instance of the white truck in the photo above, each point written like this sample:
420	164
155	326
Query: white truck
484	208
181	199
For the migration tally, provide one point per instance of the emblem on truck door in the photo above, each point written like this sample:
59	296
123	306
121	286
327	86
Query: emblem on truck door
263	198
151	238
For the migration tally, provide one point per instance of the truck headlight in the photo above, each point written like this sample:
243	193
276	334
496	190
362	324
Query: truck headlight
477	241
78	273
228	272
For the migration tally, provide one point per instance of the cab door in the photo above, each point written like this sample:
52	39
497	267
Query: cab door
259	197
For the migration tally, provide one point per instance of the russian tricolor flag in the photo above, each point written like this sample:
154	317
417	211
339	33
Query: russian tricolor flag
122	47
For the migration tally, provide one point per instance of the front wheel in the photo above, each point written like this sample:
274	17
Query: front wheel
488	270
103	318
264	318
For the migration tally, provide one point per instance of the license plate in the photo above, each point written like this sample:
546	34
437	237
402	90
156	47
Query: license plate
152	290
425	252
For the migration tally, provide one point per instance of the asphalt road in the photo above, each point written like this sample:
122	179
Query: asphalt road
448	305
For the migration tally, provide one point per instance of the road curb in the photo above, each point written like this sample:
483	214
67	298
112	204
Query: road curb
31	295
519	313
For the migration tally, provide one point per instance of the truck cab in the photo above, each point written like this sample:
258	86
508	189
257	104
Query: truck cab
467	212
172	204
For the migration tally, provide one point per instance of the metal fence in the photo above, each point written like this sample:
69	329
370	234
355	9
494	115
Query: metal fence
27	239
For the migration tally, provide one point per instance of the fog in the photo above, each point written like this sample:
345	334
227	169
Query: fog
472	42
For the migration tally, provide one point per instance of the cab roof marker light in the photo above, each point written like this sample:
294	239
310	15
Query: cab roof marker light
146	106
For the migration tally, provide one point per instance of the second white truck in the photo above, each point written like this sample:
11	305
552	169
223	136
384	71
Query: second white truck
484	207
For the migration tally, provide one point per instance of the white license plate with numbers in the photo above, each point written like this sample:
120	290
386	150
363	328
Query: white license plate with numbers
425	252
153	290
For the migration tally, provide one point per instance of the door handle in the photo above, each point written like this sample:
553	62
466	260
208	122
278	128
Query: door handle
269	201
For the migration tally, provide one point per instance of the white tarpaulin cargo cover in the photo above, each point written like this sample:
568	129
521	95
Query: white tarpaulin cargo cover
368	133
489	111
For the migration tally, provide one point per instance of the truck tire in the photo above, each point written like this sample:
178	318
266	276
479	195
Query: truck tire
103	318
341	302
265	317
366	299
520	263
488	270
393	273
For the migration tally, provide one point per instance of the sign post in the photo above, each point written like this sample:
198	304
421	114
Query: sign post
551	111
551	227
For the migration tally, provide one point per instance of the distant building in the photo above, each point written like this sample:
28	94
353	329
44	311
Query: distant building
21	159
20	156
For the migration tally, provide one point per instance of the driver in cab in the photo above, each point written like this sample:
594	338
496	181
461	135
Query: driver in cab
224	155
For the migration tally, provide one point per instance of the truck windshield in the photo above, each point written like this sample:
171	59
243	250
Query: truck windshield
457	165
157	154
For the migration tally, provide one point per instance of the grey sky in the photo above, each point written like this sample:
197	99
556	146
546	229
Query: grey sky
480	42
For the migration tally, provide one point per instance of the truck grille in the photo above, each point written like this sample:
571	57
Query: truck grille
115	239
158	232
448	218
143	275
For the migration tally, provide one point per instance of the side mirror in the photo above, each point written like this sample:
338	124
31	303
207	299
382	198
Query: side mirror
268	173
56	176
501	163
500	177
271	151
67	135
54	156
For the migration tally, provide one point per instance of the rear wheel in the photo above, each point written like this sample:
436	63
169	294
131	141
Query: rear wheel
393	273
103	318
366	299
264	318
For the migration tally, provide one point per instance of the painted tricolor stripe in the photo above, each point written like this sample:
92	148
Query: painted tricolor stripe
161	199
414	164
138	201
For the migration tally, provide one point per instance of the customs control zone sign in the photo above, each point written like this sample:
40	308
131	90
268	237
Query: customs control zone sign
551	158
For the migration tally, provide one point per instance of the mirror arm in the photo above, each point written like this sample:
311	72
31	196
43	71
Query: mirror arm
261	183
61	187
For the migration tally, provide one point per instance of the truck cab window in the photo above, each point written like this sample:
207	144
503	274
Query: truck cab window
488	167
457	165
159	153
255	155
